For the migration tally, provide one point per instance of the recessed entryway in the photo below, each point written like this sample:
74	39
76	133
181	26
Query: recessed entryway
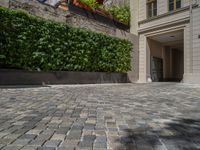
166	56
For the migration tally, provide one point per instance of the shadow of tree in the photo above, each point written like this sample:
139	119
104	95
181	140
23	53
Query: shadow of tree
180	134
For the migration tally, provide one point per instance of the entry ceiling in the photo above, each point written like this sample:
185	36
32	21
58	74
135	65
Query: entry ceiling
173	39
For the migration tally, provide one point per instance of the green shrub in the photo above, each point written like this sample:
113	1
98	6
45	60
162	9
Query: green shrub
32	43
91	3
121	13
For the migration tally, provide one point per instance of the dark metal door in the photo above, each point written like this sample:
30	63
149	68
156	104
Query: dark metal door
156	69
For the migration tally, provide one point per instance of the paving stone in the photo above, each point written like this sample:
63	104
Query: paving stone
37	142
52	143
60	137
62	130
100	148
147	147
3	134
6	141
89	138
12	147
21	142
100	132
33	131
12	136
70	143
100	145
100	139
19	123
29	148
74	135
89	126
28	136
88	144
46	148
66	148
84	148
44	137
123	116
20	131
77	128
47	132
87	132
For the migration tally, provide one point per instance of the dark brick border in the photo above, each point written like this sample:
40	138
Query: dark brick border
22	77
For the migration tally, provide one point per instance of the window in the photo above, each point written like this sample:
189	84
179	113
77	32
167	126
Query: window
174	4
151	8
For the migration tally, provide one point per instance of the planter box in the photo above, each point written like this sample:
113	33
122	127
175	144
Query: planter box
121	25
98	17
77	10
21	77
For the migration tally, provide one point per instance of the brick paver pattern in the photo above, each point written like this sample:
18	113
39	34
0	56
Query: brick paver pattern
157	116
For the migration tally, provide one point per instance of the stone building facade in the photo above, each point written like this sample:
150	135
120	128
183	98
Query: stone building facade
169	39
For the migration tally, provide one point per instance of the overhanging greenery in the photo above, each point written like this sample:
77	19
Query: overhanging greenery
33	43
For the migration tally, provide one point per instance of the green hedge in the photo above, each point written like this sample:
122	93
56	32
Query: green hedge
33	43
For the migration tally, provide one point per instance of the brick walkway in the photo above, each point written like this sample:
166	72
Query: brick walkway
159	116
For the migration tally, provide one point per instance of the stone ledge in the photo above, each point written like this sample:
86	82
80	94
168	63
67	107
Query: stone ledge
22	77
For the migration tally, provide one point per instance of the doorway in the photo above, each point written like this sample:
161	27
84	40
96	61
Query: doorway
166	57
156	69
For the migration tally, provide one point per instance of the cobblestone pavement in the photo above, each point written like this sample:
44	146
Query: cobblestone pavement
157	116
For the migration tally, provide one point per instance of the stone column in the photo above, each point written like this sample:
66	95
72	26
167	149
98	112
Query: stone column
143	58
192	49
134	5
187	54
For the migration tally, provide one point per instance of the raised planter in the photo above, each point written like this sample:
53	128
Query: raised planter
97	16
121	25
21	77
78	10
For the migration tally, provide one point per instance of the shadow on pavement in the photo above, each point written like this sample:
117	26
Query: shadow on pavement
181	134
